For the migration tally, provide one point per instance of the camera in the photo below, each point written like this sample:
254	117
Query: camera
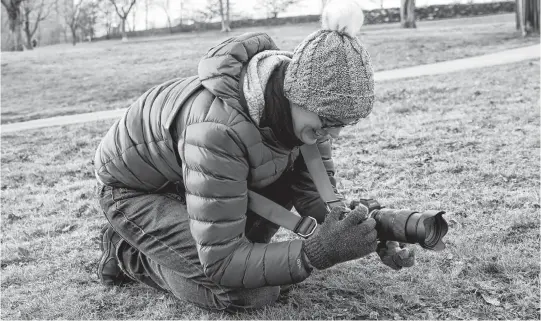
424	228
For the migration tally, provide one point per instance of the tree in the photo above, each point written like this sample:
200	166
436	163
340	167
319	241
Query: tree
88	19
33	12
211	11
13	8
133	18
275	7
527	16
123	8
106	16
225	15
181	11
147	7
72	15
166	8
407	14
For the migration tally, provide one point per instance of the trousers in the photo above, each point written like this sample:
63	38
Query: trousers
159	251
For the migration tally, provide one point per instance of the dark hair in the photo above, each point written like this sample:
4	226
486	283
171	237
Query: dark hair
277	112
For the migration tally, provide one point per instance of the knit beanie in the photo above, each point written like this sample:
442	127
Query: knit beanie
331	72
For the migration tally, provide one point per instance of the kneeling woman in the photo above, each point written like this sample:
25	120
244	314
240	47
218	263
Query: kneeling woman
175	170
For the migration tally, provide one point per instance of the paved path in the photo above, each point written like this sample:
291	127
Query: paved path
499	58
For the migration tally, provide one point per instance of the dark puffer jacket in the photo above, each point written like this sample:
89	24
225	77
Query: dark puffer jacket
197	132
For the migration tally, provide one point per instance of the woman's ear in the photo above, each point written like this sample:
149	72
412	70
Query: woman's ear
304	117
305	123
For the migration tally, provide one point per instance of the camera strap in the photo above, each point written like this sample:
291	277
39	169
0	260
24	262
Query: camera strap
314	164
302	226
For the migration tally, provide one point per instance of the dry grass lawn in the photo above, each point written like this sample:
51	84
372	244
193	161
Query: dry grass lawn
467	143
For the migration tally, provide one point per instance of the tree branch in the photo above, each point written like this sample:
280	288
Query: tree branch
6	4
131	5
49	10
116	8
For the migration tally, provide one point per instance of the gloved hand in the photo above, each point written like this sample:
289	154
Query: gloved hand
395	256
341	239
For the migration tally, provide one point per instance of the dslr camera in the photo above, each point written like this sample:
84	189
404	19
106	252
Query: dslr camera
406	226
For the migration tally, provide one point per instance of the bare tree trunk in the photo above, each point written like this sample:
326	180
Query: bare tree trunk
407	14
411	14
146	14
124	34
73	35
133	16
227	15
517	13
169	25
123	15
27	31
15	32
527	14
225	25
531	13
181	11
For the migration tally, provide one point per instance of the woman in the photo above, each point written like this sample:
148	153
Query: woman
175	170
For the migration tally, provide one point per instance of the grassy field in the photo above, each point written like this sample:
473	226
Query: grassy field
467	143
62	80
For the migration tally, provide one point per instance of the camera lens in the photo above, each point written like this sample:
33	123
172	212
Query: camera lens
435	229
426	228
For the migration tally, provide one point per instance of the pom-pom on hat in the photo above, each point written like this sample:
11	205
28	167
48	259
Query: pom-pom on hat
331	72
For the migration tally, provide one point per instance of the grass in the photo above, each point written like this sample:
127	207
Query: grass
467	143
62	80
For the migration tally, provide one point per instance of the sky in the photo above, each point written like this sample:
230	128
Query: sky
251	9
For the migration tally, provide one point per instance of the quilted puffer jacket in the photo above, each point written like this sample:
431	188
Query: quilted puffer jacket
197	132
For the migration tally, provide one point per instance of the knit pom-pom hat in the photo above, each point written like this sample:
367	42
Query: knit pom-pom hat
331	72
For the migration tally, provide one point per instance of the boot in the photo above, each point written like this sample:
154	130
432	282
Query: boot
109	271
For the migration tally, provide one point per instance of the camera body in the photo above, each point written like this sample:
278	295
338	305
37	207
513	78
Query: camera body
424	228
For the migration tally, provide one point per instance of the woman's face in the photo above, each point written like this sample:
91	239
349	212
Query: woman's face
309	127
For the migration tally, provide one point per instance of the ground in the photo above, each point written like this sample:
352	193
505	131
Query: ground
467	143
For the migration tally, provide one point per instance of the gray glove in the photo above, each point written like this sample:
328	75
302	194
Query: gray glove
341	239
395	256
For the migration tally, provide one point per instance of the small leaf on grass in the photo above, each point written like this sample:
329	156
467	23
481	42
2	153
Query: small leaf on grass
65	228
458	267
411	298
23	252
68	228
453	222
12	217
490	300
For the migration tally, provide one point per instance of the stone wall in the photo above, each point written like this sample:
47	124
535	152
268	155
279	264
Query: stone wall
436	12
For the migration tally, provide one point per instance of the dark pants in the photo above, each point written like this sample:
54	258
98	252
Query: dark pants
159	250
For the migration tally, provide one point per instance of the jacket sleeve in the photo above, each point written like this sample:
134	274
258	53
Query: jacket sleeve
306	198
215	170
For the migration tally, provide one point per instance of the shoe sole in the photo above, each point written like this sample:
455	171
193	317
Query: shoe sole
104	257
